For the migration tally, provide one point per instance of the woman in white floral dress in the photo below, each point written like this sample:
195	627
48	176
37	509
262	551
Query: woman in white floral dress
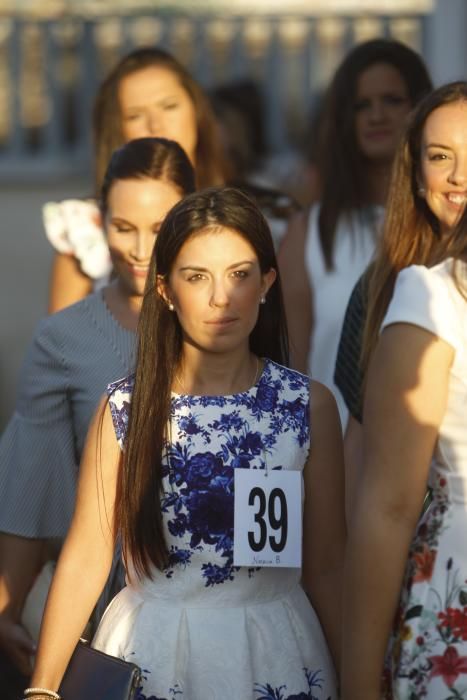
204	415
403	570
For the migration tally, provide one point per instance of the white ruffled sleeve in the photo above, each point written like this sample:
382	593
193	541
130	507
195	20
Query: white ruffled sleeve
428	298
74	227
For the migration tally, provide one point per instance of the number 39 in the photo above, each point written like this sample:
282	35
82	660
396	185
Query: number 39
276	523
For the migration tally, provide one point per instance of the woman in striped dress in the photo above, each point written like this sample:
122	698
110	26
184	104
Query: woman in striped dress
73	356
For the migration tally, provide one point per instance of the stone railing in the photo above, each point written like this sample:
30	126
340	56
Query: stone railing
50	69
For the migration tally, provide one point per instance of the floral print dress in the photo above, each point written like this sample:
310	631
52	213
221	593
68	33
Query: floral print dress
204	629
427	655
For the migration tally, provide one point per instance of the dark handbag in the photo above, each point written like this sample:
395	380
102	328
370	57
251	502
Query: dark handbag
93	675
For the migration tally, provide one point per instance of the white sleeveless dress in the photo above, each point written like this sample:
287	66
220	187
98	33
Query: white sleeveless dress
205	629
427	656
331	289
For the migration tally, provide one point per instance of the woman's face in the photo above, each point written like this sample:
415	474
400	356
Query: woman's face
444	163
136	209
153	103
382	104
215	286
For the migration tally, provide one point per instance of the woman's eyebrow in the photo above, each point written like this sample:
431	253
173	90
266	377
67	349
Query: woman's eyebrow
438	145
120	219
197	268
159	99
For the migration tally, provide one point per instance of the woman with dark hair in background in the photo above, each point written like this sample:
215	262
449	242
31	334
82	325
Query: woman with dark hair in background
328	247
73	356
212	406
408	573
148	94
417	215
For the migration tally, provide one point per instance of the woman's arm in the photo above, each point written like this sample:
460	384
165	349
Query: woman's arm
324	520
20	561
405	403
68	284
353	451
297	290
86	557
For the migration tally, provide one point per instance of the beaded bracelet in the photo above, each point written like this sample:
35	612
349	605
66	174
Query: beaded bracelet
34	692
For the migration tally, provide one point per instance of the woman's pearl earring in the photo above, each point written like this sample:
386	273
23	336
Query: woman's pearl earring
262	300
171	306
421	191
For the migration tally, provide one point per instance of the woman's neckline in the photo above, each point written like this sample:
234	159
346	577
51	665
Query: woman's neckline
115	320
253	387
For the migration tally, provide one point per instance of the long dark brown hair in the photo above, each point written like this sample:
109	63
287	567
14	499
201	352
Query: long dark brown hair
107	119
341	165
411	233
455	247
160	348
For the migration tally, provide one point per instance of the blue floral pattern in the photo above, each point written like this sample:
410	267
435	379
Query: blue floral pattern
314	681
198	477
199	627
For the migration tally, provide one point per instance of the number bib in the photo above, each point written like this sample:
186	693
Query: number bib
268	518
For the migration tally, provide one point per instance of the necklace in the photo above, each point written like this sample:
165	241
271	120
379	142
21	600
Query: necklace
255	378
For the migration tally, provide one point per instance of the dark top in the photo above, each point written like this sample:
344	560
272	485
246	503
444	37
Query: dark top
348	374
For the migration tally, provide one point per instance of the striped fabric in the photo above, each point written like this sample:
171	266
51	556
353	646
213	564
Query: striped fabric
348	376
74	354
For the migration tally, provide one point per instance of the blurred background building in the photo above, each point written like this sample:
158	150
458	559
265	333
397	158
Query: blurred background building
53	54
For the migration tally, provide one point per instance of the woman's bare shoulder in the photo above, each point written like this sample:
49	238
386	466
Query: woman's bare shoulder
321	396
323	405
